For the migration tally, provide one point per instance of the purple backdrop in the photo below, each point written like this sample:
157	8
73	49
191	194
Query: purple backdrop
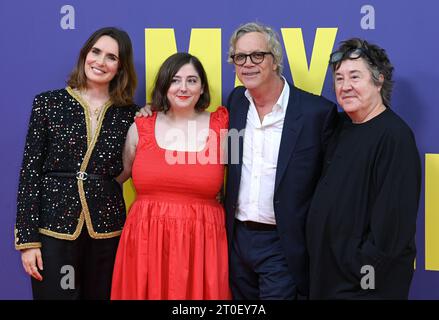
37	54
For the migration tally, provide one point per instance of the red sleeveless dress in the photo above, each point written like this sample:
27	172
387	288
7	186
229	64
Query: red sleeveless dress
174	245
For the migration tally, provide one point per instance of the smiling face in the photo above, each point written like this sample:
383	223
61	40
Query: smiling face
102	61
253	76
185	89
355	90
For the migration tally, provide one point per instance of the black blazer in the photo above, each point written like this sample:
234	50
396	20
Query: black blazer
59	140
309	121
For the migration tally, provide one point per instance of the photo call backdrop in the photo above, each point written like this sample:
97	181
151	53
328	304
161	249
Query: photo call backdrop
40	42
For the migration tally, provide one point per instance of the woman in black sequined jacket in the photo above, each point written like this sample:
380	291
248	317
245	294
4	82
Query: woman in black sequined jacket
70	208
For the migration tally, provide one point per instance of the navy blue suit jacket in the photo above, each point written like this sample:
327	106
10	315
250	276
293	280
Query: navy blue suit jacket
309	121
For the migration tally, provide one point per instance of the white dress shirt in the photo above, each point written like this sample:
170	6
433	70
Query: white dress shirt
259	161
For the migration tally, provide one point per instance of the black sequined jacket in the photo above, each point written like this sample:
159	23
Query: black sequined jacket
59	140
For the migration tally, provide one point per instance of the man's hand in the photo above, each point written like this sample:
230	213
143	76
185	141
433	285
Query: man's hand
144	112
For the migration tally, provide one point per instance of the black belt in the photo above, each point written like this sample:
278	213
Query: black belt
257	226
80	175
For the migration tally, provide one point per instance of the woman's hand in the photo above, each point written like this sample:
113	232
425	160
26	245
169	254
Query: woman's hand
32	261
144	112
220	197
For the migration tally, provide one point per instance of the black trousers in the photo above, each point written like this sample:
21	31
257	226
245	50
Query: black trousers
76	270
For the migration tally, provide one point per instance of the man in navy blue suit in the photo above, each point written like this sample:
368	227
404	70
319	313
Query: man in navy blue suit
273	169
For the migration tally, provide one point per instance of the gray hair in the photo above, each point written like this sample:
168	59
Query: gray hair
273	42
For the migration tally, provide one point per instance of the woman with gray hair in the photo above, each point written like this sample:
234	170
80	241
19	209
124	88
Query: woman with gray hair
362	220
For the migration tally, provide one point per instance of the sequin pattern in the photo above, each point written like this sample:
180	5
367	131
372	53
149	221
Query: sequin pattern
57	141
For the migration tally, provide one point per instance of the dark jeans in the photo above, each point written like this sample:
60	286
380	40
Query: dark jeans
78	269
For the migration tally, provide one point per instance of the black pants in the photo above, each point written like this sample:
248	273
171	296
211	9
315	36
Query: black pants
78	269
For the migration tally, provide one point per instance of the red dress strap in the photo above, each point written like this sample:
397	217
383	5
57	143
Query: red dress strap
145	129
219	119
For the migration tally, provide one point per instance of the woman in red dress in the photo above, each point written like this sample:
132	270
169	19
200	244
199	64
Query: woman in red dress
173	245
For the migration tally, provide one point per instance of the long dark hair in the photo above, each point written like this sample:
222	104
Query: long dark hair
123	85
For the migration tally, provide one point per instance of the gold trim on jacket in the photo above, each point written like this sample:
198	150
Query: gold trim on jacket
80	213
91	142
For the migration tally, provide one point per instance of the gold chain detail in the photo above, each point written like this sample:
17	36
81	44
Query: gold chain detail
85	213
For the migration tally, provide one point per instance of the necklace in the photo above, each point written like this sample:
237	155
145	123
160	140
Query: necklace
93	112
96	111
